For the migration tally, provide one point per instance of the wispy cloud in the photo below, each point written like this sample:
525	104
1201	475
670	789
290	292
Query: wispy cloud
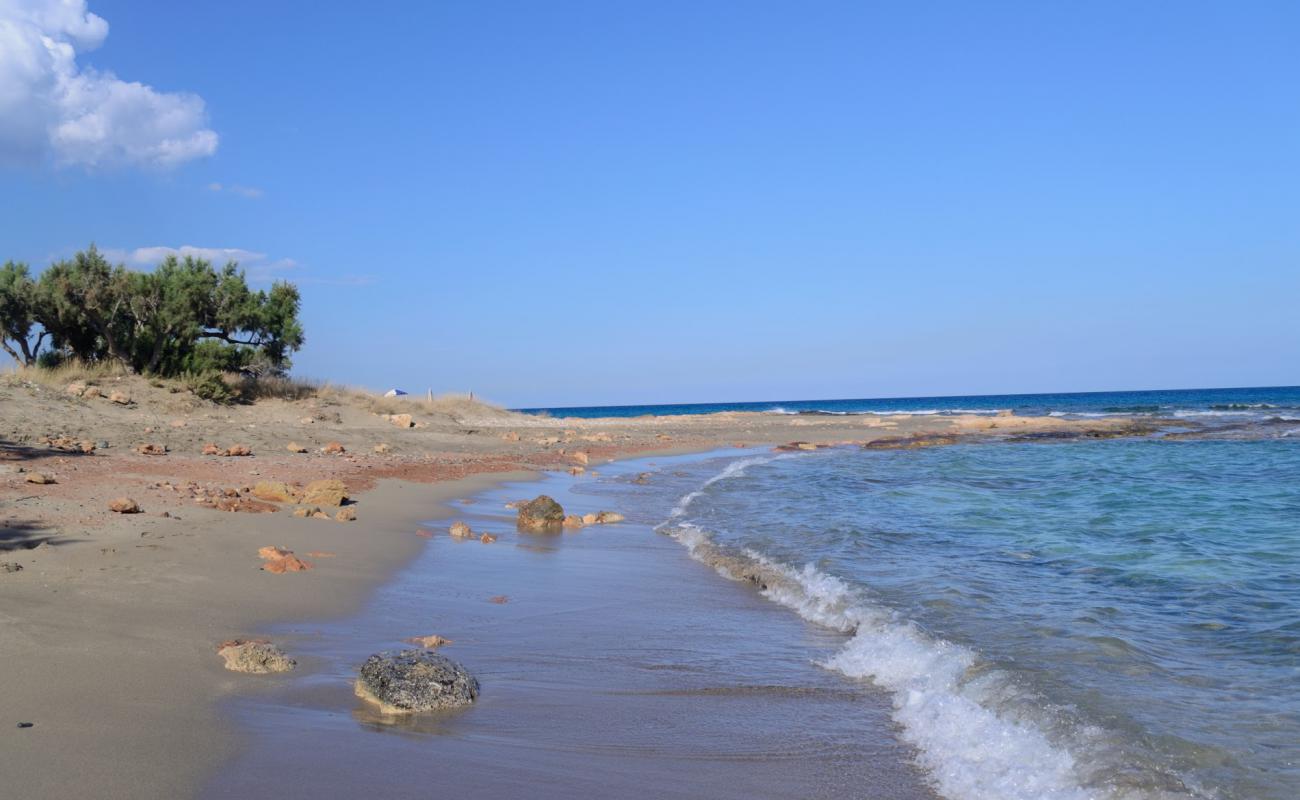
259	267
54	110
235	188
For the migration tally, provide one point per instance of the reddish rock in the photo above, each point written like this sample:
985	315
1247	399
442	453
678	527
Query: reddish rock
499	599
211	449
279	560
431	642
238	450
333	449
121	398
487	538
124	505
151	449
294	447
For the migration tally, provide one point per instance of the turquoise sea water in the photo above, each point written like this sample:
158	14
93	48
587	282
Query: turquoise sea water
1113	619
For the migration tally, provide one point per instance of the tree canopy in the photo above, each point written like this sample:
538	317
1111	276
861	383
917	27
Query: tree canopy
183	316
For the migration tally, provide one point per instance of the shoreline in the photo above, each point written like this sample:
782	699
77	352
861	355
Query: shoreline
109	631
607	629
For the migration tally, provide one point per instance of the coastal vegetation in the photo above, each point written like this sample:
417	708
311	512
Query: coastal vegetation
183	319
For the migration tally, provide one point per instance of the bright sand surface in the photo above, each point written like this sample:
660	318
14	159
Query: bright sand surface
121	678
619	667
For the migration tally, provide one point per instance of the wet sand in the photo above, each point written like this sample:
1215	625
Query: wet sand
618	668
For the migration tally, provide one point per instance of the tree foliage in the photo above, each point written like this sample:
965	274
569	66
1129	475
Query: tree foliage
182	317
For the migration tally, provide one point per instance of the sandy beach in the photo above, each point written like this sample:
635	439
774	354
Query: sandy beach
111	622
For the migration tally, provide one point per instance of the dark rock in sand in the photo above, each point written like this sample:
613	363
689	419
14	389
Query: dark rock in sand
415	680
540	514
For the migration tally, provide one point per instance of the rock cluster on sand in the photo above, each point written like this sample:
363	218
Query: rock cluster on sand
540	514
211	449
415	680
256	656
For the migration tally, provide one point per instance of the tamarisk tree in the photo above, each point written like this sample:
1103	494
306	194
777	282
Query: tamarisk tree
183	316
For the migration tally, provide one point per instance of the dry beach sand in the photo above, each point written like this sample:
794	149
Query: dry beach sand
110	623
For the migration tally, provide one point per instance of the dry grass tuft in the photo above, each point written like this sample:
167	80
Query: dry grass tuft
68	372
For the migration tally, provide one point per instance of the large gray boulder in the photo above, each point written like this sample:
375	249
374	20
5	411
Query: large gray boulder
415	680
540	514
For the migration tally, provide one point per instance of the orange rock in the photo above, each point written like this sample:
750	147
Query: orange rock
294	447
151	449
279	560
239	450
274	491
346	514
402	420
574	521
581	457
329	492
487	538
39	478
211	449
124	505
382	448
431	642
333	449
499	599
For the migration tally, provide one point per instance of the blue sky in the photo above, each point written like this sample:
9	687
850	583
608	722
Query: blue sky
583	203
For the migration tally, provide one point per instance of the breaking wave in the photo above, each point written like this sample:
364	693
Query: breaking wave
978	734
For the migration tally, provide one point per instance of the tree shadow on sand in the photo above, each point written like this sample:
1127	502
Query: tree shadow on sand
24	535
13	452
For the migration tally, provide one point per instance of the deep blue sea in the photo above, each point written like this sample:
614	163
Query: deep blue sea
1282	401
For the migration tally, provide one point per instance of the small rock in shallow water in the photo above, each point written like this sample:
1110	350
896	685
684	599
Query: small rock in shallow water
256	656
415	680
540	514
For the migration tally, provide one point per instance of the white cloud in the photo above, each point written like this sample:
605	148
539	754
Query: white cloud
257	266
53	109
235	188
